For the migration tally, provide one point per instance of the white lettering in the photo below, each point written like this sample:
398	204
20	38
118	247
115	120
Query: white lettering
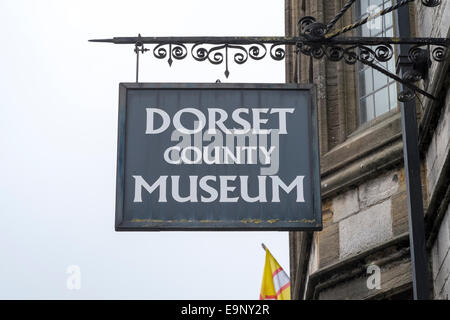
150	121
277	183
201	121
140	183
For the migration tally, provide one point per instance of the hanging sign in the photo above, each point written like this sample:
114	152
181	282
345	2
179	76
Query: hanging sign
217	157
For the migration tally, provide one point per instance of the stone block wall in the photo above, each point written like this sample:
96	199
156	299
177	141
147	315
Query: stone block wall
441	260
367	224
437	159
435	22
363	217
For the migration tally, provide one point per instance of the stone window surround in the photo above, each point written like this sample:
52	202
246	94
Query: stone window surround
375	145
364	150
372	148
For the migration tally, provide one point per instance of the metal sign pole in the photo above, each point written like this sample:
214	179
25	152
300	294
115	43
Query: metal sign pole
419	261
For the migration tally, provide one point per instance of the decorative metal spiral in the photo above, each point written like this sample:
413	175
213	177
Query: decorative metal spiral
350	56
179	51
304	22
439	53
334	53
276	52
257	51
431	3
218	53
366	54
199	53
214	55
159	52
418	55
384	52
381	53
241	56
317	51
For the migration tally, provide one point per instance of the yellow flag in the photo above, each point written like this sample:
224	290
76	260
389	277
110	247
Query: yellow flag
275	282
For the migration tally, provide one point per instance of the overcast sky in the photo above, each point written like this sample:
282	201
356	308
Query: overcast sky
58	132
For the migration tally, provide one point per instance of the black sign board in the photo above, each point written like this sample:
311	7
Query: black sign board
217	157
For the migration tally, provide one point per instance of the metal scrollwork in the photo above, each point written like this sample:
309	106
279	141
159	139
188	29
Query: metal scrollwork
381	53
366	54
199	53
257	51
310	28
431	3
418	55
240	57
350	56
214	55
439	53
176	51
179	51
317	51
420	59
314	39
315	30
159	52
276	52
305	22
217	54
334	53
313	50
384	52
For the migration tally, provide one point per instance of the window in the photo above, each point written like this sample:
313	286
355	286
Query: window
377	92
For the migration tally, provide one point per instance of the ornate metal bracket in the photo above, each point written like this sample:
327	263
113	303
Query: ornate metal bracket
315	39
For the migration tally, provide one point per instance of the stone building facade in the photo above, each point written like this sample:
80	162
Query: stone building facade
364	203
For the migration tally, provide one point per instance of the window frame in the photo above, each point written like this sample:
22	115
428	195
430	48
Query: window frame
392	103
